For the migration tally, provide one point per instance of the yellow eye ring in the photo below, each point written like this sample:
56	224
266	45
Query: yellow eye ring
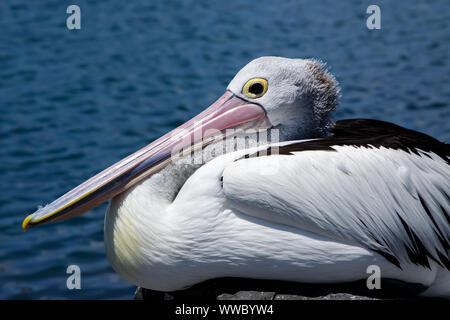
255	88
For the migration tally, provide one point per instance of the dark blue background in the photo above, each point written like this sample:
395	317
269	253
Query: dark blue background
74	102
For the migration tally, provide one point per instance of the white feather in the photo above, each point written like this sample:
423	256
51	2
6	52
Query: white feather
293	225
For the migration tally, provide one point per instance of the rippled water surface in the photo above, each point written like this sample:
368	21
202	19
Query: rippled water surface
74	102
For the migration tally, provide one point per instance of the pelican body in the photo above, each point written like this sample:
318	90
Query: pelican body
314	201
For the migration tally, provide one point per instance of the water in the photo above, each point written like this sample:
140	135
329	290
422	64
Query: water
74	102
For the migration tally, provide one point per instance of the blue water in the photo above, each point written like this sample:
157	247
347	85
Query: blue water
74	102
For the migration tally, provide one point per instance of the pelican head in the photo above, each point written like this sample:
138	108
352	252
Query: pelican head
296	96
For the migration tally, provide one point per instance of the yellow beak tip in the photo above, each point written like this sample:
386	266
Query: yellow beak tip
26	223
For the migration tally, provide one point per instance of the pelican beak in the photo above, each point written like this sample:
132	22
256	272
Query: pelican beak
229	111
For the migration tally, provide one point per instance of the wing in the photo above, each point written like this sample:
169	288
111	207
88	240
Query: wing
387	196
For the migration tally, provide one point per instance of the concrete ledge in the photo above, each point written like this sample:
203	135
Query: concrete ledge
250	289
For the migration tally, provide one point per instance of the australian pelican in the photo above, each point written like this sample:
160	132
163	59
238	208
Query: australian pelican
320	205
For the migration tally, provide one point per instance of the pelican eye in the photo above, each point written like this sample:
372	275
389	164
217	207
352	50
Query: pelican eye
255	88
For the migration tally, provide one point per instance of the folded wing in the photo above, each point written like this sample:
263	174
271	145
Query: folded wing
364	186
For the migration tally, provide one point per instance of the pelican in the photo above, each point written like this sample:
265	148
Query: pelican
315	201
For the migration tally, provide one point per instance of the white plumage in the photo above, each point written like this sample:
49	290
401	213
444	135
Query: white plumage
357	193
313	216
320	217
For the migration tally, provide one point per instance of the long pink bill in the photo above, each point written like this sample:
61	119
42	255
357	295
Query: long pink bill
229	111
